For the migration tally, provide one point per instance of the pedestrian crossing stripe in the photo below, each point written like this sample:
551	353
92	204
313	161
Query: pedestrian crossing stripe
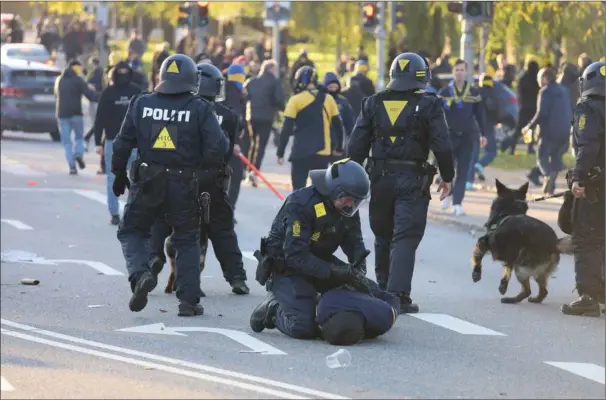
164	141
394	109
403	64
173	67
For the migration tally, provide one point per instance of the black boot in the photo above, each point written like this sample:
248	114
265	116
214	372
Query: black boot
239	287
406	304
145	284
534	177
550	184
584	305
190	310
264	315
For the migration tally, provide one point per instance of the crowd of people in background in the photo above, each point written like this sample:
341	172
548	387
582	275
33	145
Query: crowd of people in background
538	88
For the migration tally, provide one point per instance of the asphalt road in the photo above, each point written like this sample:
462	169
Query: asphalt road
65	337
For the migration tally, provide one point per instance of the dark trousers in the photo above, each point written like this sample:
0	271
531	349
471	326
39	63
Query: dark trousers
220	232
173	197
462	152
588	246
398	216
296	314
238	169
550	154
300	167
259	133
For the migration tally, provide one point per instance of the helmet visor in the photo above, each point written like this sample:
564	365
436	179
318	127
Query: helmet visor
221	96
348	204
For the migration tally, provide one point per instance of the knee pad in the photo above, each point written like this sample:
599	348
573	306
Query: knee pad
344	328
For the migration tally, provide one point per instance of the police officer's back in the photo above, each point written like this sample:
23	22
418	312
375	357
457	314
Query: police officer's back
587	184
298	253
399	126
175	133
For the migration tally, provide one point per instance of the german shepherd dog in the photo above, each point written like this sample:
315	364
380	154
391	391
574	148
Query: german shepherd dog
171	252
525	245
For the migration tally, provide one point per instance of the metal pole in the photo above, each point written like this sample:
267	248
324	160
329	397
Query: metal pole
467	53
381	46
197	30
275	53
102	21
483	42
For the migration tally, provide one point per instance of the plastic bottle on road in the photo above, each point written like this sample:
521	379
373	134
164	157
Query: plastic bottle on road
339	359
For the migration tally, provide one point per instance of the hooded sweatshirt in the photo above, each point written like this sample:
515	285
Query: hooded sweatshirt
69	89
114	103
345	110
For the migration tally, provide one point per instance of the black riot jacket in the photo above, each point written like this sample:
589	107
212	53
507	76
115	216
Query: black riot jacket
588	128
402	126
178	131
230	123
306	232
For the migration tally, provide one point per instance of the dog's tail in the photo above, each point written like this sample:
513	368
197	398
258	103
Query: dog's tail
564	245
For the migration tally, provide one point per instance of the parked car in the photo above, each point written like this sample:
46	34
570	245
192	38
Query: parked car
25	51
28	103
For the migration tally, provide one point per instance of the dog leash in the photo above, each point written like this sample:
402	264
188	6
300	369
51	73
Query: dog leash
551	196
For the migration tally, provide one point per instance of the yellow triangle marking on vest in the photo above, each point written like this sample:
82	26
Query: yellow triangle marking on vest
173	68
164	141
393	138
394	108
403	64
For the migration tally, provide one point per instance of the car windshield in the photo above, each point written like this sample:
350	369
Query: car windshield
27	52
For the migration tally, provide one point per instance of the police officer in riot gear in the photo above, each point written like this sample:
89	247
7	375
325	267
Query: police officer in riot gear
176	133
297	256
399	126
220	225
587	186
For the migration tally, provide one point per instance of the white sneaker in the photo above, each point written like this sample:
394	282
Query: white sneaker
446	203
458	210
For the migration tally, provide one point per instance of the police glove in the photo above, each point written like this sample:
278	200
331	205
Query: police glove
342	273
120	183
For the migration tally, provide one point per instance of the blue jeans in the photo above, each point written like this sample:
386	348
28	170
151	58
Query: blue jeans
490	153
112	201
66	126
462	149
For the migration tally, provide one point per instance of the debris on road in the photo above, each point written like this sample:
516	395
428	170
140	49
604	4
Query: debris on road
30	282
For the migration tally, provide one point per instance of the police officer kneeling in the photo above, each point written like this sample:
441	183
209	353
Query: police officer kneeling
587	186
298	254
346	316
400	125
175	133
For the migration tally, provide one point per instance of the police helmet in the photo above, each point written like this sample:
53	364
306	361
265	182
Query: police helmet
178	74
345	183
593	79
408	71
211	82
303	77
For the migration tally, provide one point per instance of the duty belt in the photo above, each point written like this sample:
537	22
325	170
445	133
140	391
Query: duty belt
403	165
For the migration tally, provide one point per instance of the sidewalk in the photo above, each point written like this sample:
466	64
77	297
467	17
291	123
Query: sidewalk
476	203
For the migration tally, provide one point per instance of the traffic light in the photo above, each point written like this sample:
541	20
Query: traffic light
399	13
184	15
474	11
203	19
369	15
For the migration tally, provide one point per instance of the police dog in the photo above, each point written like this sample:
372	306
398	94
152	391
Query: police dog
525	245
171	252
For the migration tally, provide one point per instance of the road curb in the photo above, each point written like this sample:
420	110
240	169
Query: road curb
450	221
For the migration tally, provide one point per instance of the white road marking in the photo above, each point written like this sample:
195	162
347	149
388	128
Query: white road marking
17	224
5	386
16	168
586	370
249	255
456	324
98	197
99	266
243	338
173	361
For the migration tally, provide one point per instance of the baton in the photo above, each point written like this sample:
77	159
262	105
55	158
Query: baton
256	171
551	196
